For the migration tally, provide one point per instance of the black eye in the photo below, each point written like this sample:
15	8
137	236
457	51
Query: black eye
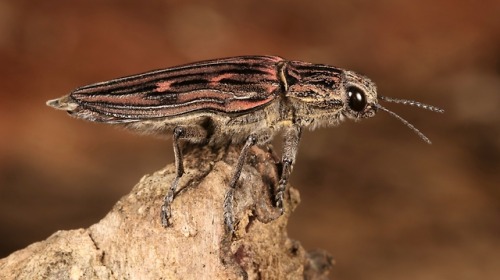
356	99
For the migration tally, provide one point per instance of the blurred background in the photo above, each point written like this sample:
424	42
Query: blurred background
381	201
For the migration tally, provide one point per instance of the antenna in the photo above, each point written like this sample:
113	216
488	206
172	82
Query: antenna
411	103
420	134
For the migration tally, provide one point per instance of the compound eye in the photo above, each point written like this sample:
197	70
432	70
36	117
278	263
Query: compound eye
356	99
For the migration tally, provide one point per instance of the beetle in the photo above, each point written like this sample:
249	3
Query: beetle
242	100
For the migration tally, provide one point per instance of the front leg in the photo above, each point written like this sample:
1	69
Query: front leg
291	139
194	134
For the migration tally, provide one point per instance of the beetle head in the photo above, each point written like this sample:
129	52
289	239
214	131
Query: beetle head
361	101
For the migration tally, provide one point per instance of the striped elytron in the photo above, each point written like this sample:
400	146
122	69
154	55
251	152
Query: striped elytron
242	100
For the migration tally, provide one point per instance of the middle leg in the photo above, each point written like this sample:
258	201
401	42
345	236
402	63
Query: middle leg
228	200
290	147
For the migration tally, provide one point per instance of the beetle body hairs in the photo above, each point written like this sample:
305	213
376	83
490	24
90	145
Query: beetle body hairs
241	100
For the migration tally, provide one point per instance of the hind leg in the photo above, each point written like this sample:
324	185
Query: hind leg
194	134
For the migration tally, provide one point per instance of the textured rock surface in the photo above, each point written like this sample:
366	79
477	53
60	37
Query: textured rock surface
130	243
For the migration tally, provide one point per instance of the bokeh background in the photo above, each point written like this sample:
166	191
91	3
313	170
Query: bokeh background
381	201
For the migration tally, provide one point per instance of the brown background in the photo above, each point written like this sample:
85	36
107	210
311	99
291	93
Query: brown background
385	204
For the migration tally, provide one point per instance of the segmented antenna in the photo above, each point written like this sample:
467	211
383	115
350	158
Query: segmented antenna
411	103
420	134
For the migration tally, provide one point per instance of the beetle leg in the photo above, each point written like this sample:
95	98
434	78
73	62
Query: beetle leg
189	133
228	200
290	146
